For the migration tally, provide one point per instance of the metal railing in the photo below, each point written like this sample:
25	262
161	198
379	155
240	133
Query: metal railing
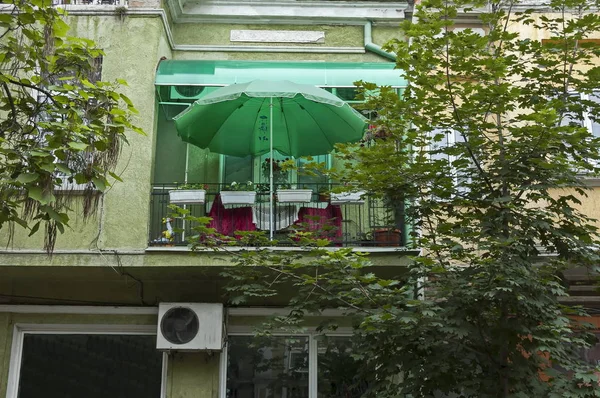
361	220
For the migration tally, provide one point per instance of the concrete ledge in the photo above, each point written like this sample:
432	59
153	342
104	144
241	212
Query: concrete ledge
285	12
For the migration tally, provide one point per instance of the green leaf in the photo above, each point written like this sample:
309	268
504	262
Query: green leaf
100	183
78	146
26	178
49	167
115	176
35	228
87	84
60	28
35	193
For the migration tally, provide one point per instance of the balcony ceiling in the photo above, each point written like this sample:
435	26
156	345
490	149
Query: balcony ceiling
287	11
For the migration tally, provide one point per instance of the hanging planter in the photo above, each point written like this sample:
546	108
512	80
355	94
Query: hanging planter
294	195
187	196
238	197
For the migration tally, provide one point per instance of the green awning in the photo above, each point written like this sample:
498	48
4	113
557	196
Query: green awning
322	74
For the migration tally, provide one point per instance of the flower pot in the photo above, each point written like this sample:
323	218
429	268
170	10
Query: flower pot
324	197
347	198
294	195
187	196
386	237
238	197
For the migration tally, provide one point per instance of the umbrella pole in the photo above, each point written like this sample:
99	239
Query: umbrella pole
271	191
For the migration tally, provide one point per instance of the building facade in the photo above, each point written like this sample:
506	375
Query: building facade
85	319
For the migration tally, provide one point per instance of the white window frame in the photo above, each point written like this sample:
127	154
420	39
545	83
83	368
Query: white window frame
451	140
311	333
21	329
587	121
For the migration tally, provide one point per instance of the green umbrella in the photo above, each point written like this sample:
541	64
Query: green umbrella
235	120
262	116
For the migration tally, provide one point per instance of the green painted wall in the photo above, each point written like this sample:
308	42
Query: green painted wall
193	375
342	36
122	222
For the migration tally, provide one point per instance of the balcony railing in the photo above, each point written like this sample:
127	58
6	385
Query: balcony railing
345	220
90	2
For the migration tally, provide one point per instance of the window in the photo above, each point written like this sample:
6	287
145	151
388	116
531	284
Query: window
438	152
337	370
80	160
591	355
275	367
580	117
348	94
255	168
296	366
592	125
68	361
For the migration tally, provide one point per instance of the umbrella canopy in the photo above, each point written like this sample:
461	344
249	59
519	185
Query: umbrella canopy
235	120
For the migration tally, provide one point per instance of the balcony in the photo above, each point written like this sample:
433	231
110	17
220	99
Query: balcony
344	220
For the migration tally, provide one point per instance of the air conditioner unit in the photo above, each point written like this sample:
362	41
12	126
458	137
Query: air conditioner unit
187	92
190	327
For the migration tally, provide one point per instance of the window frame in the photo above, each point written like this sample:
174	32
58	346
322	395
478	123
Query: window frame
21	329
587	122
453	137
313	347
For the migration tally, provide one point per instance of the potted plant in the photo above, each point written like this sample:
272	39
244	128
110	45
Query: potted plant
387	237
188	194
239	193
324	194
389	220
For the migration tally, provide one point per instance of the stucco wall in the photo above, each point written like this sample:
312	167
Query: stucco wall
132	52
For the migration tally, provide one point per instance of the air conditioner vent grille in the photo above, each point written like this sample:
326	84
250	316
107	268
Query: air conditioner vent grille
179	325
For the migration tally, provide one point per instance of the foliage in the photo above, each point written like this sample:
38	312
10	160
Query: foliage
60	125
280	173
241	186
495	210
193	185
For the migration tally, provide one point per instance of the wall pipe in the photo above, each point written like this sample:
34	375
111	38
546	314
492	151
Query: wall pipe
374	48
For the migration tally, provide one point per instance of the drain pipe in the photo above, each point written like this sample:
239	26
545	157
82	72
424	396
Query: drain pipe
374	48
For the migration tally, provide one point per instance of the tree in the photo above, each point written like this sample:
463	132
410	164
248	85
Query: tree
60	124
486	148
